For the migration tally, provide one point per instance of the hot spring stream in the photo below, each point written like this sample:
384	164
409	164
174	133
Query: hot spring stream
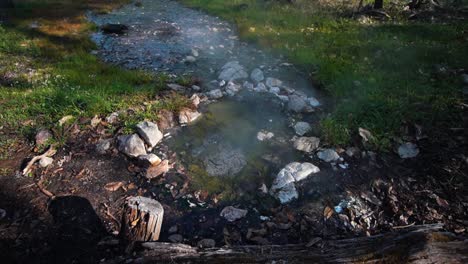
223	146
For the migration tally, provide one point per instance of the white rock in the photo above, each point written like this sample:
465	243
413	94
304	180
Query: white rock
149	131
195	100
352	151
273	82
195	53
284	184
131	145
257	75
264	135
232	214
45	161
215	94
328	155
307	144
408	150
302	128
196	88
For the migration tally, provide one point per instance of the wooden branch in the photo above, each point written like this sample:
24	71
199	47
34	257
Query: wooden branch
421	244
49	153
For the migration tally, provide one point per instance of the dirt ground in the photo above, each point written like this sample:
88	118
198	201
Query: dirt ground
70	212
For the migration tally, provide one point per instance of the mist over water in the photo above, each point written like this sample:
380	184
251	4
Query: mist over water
161	35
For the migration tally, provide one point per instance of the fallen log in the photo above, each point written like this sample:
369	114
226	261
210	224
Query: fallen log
416	244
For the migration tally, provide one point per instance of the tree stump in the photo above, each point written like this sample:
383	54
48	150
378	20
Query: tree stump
142	219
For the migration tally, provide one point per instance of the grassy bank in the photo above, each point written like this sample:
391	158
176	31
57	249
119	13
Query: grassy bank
47	70
381	75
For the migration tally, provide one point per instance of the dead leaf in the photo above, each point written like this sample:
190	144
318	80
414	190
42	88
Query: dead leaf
442	202
365	134
158	170
327	212
113	186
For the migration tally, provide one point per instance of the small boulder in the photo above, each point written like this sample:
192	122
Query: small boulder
232	71
248	85
176	87
273	82
313	102
187	116
232	88
103	146
302	128
166	119
149	131
296	103
275	90
190	59
328	155
283	186
307	144
114	29
43	137
131	145
232	214
261	88
215	94
408	150
257	75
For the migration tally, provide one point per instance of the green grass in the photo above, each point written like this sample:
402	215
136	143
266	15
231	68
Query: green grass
51	72
380	75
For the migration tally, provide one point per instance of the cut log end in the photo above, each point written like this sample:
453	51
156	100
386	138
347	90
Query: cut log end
142	219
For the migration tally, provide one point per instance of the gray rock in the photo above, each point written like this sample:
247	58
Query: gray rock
275	90
149	131
273	82
176	87
283	186
190	59
264	135
103	146
46	162
296	103
232	71
261	88
232	214
307	144
232	88
328	155
352	151
302	128
173	229
215	94
187	116
408	150
257	75
313	102
176	238
131	145
248	85
226	161
196	88
43	137
206	243
283	98
112	118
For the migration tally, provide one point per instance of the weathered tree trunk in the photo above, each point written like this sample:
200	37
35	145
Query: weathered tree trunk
418	244
142	219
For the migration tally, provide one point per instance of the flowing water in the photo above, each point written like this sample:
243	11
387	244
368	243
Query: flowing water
224	142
